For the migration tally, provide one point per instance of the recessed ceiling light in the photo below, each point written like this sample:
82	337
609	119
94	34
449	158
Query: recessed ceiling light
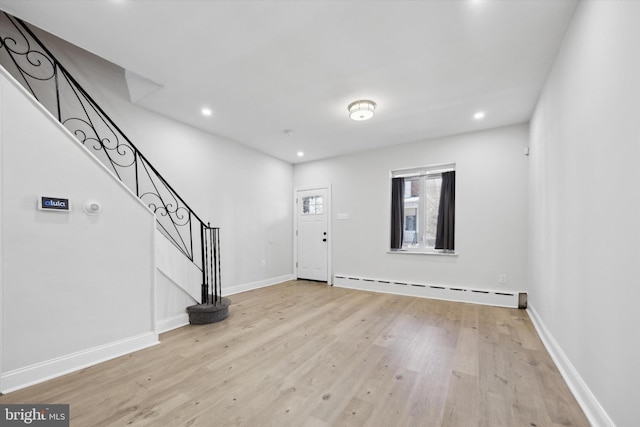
300	153
479	115
206	112
361	110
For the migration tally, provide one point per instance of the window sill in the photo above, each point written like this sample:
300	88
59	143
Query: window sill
406	251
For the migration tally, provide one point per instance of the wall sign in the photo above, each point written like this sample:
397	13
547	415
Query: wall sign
53	204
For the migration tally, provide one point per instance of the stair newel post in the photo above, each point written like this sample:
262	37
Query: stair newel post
203	250
216	308
210	261
218	278
214	263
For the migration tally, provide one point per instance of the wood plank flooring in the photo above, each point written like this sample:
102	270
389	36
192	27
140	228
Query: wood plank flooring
307	354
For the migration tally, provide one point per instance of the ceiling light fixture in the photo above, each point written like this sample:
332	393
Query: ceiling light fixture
479	115
361	110
300	154
206	112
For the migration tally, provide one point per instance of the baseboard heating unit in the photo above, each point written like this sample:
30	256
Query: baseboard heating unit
477	296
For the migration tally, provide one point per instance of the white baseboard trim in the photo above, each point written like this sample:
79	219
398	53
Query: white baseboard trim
256	285
594	412
43	371
171	323
443	292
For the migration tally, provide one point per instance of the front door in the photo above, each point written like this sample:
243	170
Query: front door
312	234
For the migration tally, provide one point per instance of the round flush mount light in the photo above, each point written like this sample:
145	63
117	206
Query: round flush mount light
479	115
361	110
206	112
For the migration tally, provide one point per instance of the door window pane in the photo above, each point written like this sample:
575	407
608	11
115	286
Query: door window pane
312	205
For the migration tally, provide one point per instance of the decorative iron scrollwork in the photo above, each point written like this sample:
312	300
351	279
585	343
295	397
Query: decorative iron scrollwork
27	59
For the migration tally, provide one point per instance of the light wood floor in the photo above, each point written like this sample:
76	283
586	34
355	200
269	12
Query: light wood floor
306	354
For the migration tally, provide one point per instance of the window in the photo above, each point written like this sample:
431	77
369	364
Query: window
312	205
423	209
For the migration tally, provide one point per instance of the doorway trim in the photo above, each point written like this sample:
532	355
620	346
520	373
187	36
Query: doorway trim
329	229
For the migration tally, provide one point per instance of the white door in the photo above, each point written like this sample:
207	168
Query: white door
312	234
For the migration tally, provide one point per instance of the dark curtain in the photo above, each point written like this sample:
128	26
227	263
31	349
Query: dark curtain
447	212
397	212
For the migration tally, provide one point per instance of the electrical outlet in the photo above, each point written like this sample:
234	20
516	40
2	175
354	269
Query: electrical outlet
503	278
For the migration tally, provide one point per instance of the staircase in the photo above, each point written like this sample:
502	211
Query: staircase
35	67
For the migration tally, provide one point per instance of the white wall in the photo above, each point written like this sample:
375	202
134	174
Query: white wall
491	210
245	192
76	289
585	210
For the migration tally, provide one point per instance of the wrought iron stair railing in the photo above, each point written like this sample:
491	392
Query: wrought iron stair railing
26	58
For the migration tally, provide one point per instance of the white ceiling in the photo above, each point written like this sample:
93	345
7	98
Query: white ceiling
267	66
